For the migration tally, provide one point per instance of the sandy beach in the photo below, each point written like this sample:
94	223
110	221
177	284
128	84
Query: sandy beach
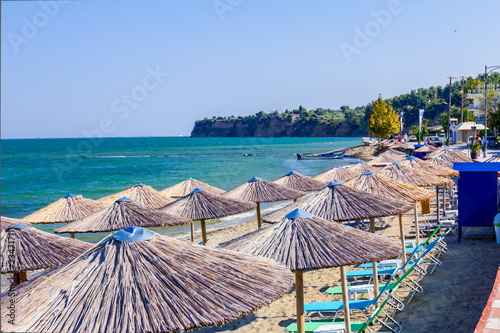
454	295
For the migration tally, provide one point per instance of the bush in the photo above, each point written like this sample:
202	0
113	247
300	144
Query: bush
475	147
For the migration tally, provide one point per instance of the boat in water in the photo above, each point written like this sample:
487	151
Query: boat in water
321	156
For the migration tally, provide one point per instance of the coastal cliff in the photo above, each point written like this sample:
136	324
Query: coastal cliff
275	127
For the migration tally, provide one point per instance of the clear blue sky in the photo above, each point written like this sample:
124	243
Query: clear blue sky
151	68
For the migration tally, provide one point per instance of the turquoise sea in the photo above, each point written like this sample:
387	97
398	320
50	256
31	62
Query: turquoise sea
37	172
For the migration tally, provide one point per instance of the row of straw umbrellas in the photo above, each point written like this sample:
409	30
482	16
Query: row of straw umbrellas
284	242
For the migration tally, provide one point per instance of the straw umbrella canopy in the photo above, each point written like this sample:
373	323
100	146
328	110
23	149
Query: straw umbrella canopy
297	181
437	170
260	190
453	155
69	208
141	194
392	143
395	153
201	205
337	202
415	177
302	241
443	160
123	213
147	283
6	222
359	168
425	149
383	160
184	188
381	185
337	173
34	249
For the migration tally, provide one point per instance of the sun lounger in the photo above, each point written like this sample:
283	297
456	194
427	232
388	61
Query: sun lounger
379	316
363	305
368	273
410	283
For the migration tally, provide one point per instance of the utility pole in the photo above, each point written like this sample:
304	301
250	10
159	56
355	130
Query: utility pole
486	68
449	112
485	110
462	106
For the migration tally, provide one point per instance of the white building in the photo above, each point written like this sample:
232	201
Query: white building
463	130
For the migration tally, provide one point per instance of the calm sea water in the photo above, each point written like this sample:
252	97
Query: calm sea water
36	172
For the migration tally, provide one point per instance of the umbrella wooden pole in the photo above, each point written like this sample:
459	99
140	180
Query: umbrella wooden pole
402	233
259	221
295	200
417	233
345	300
19	277
192	231
299	291
444	201
73	235
374	264
203	232
437	203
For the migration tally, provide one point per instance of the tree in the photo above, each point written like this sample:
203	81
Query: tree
383	121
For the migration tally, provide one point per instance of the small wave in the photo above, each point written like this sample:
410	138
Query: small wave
125	156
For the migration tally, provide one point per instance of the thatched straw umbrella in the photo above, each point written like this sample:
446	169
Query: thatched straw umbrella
361	167
123	213
201	205
394	153
6	222
25	248
435	169
392	143
141	194
69	208
139	281
260	190
442	160
337	173
184	188
297	181
339	203
302	241
425	149
453	155
383	160
387	187
415	177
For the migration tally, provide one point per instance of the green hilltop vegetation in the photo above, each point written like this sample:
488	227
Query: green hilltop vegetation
343	122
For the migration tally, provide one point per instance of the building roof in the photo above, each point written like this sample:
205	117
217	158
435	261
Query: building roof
467	126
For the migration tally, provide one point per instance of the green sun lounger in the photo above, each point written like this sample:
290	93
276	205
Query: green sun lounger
386	321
